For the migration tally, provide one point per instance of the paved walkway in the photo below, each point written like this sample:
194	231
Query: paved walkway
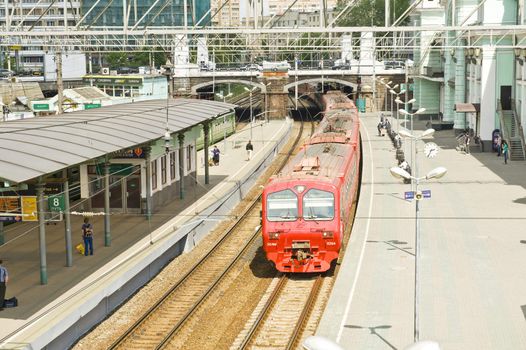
21	257
472	267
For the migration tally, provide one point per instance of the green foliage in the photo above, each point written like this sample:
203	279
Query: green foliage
134	59
370	12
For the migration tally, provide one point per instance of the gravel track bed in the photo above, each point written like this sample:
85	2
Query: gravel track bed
107	332
275	332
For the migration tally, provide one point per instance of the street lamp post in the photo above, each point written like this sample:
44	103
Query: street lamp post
386	85
433	174
251	110
221	96
411	115
393	92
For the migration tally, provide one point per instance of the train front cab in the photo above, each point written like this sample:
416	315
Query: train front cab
302	226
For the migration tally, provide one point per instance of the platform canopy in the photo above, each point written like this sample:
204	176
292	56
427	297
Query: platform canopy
38	146
467	107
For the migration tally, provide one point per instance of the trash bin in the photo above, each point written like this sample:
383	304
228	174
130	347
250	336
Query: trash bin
360	104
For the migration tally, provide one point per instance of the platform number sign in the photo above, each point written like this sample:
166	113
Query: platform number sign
56	203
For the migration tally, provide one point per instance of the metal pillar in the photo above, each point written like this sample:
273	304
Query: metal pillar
181	165
2	238
67	224
148	160
60	84
41	233
417	259
206	131
107	229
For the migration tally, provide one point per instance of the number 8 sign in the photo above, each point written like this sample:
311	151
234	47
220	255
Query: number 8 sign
56	203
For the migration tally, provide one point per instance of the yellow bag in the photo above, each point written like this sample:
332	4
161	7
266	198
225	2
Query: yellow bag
80	248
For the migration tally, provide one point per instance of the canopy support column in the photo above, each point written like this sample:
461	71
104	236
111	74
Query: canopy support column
181	165
206	131
41	233
107	229
67	223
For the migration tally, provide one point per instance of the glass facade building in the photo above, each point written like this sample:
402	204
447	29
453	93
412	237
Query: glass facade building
164	13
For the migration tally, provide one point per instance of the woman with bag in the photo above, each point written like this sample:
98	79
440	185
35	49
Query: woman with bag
87	236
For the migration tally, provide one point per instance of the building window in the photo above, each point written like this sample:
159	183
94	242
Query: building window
154	174
189	150
172	166
163	170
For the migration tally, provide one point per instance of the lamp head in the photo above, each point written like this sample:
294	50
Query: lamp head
399	173
402	92
404	112
167	140
428	132
413	100
398	101
420	111
405	133
394	87
436	173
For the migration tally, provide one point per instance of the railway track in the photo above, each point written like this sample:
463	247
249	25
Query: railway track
289	304
155	329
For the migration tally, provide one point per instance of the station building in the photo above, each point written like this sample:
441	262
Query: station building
480	79
128	158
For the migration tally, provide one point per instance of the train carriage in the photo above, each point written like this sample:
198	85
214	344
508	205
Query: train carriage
306	208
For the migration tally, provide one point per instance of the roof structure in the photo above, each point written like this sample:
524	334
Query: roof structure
35	147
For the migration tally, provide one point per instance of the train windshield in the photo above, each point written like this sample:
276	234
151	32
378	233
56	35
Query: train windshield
318	205
282	206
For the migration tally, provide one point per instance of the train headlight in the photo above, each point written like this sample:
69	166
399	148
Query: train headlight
328	234
300	188
273	235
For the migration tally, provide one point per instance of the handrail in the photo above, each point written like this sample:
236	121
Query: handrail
518	126
503	130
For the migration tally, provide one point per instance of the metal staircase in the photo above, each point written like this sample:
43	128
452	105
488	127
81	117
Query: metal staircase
512	131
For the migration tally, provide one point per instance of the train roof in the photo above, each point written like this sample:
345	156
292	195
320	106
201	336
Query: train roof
322	161
337	127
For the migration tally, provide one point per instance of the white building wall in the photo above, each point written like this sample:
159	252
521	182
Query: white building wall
488	104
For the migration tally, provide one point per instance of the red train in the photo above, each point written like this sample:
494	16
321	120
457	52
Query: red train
306	208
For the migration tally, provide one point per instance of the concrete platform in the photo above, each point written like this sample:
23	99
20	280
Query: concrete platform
78	297
472	267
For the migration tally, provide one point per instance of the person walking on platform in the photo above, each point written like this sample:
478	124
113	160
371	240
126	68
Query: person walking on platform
4	278
505	150
215	157
87	236
250	149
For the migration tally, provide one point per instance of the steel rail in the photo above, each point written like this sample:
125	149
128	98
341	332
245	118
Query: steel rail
267	308
271	301
313	296
174	288
186	277
166	340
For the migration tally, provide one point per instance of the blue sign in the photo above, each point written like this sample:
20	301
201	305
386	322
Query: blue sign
426	193
409	195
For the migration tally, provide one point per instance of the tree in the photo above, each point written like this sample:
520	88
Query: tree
116	60
370	12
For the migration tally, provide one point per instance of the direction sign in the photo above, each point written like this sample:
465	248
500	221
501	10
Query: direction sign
426	193
91	105
409	195
56	203
40	106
